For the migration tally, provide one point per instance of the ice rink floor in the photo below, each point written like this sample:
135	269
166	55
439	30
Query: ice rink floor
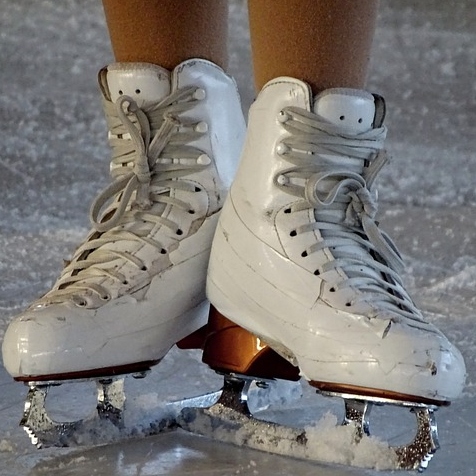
54	159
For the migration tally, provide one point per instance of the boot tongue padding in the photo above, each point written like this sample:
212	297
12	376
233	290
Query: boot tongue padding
144	82
352	110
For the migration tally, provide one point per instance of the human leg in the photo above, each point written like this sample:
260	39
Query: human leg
136	285
167	32
324	43
298	258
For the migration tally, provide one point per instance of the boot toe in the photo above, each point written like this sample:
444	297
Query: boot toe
49	341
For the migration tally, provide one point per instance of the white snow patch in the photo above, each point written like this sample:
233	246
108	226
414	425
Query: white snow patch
6	446
462	279
333	443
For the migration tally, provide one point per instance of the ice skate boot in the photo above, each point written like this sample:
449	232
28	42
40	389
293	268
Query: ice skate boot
299	261
136	286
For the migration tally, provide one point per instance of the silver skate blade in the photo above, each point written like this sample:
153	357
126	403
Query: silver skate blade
199	401
45	432
106	424
263	394
103	424
230	421
415	455
228	425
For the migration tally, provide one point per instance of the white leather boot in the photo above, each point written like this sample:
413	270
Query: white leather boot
298	259
136	286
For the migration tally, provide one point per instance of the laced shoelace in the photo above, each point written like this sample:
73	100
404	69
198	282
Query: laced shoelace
150	152
334	173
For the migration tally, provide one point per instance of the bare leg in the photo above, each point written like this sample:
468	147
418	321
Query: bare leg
167	32
326	43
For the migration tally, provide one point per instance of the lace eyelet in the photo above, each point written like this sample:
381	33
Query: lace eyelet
200	94
163	251
304	254
332	290
281	148
144	268
204	160
192	212
201	127
282	116
317	272
81	303
106	297
293	233
179	232
287	210
348	304
198	189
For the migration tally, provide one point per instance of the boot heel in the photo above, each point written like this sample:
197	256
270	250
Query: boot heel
231	349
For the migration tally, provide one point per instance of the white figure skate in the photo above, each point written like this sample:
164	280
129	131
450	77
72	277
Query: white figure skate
136	286
299	261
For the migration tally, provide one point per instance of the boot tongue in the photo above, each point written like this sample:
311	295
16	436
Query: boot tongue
352	110
144	82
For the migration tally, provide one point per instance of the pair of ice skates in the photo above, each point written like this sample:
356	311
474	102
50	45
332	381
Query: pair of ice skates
301	280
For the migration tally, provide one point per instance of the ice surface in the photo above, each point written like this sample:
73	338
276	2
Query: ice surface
53	161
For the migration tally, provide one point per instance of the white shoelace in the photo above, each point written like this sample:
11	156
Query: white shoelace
150	155
334	172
